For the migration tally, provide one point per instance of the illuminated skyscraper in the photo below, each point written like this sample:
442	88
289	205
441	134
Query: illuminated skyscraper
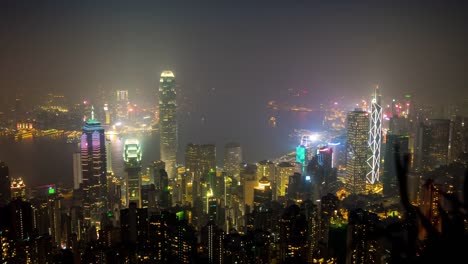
167	122
132	159
199	161
93	162
232	159
357	149
459	137
5	191
284	170
375	137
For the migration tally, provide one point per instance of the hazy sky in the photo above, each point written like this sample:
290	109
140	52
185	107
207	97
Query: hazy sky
248	51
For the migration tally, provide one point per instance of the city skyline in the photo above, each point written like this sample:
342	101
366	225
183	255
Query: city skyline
233	132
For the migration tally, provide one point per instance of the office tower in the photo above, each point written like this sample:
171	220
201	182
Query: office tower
122	96
18	189
375	138
434	143
148	197
431	199
262	192
399	126
109	157
77	171
395	145
284	170
167	122
93	162
132	160
459	137
200	160
362	246
357	150
327	173
301	158
5	191
232	159
156	173
339	152
164	194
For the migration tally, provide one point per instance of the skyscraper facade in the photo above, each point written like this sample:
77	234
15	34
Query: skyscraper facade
232	159
93	162
395	145
167	122
132	159
5	182
375	137
357	151
434	143
200	160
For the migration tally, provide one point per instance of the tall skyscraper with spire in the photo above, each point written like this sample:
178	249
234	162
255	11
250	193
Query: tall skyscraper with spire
167	121
94	169
375	137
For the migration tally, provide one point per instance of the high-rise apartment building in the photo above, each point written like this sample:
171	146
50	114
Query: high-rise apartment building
357	150
93	162
167	122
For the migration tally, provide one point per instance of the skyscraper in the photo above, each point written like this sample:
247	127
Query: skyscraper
434	150
232	159
77	173
459	137
395	145
199	161
93	162
167	122
132	159
5	191
357	149
375	137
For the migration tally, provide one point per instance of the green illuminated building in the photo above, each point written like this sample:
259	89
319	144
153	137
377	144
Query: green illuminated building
132	159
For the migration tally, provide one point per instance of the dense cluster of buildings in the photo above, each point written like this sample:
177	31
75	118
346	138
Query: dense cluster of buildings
327	204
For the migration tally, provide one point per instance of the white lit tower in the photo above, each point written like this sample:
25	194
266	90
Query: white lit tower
375	137
167	121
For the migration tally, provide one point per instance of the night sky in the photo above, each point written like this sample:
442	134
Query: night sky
246	51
